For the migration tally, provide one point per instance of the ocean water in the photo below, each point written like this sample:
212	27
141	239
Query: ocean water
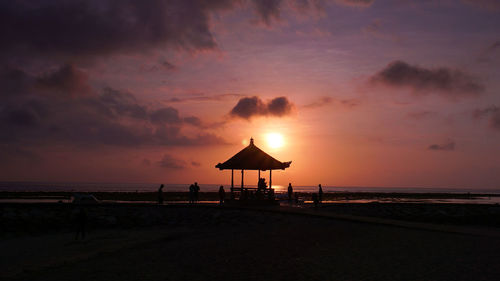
149	187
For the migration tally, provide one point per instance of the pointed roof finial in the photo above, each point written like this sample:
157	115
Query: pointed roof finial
251	141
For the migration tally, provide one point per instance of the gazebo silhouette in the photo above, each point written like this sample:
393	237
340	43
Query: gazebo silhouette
252	158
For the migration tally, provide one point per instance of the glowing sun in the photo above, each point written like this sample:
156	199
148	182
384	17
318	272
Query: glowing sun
275	140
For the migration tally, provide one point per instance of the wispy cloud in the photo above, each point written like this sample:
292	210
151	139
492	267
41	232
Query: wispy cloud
449	145
203	98
492	113
326	101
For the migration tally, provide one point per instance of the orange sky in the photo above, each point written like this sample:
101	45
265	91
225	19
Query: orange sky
381	93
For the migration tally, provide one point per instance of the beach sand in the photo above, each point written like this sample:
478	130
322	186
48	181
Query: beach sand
211	243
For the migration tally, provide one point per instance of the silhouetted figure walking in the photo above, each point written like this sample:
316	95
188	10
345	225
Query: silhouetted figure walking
320	194
196	192
160	195
290	192
222	195
81	222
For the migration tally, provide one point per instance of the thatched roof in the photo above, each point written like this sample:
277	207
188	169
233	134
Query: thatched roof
253	158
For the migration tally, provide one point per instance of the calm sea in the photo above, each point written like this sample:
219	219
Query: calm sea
148	187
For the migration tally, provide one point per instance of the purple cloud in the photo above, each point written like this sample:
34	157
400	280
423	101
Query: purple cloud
111	117
92	28
249	107
170	162
355	3
451	83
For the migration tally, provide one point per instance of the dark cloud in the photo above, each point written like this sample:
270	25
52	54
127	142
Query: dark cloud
279	106
170	162
193	120
195	164
268	10
448	82
168	66
118	104
91	28
249	107
14	81
491	112
166	115
22	118
82	29
111	117
447	146
356	3
67	80
203	98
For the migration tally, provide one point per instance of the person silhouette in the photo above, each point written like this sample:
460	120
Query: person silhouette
259	185
160	195
320	193
222	195
81	221
191	194
290	192
196	192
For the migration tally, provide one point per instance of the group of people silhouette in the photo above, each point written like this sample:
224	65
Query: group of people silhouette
194	191
317	198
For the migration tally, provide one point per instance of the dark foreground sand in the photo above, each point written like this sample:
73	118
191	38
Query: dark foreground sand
209	243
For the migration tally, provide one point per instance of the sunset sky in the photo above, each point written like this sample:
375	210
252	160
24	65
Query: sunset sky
363	93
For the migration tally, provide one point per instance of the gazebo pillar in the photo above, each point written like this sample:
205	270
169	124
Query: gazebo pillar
242	175
232	183
270	178
258	180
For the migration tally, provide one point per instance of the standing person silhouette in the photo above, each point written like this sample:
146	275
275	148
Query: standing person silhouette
81	222
196	192
191	194
222	195
160	195
320	193
290	192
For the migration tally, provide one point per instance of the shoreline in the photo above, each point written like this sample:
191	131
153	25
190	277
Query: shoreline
152	196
